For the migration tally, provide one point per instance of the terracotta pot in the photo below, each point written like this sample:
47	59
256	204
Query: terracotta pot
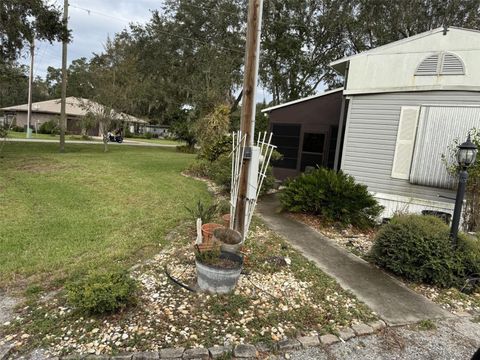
226	220
207	231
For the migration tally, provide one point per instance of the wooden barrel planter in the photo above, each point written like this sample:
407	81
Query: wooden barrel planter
220	276
230	240
207	231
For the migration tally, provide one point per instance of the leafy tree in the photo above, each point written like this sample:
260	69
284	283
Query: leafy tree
368	24
23	21
300	39
14	84
209	53
183	128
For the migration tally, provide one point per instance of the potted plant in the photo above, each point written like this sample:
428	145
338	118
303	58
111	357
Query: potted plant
230	240
206	214
217	271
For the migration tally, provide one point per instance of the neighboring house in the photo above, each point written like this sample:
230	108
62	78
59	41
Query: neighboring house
156	130
76	109
405	104
305	132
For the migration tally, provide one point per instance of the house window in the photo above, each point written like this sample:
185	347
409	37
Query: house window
312	150
443	63
287	140
424	134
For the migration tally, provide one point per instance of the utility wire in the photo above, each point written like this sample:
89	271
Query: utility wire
161	31
90	11
289	24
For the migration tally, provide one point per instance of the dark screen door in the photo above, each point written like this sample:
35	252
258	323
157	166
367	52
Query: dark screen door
313	150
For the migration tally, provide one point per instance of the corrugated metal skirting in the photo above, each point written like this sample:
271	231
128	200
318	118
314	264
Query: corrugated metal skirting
438	128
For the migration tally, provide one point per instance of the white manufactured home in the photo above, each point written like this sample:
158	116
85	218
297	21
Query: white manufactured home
407	102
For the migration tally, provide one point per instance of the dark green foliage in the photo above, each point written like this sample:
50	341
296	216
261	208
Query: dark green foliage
209	257
419	249
49	127
220	147
148	135
220	171
336	197
23	21
215	163
17	129
102	293
3	131
203	211
199	168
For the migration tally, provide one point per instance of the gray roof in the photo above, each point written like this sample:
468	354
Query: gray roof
74	107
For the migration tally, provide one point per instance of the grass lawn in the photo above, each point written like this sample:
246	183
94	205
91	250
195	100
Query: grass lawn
62	215
22	135
157	141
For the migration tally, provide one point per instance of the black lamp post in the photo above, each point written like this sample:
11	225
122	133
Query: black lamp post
466	155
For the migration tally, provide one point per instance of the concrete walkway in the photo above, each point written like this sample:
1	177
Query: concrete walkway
125	142
389	298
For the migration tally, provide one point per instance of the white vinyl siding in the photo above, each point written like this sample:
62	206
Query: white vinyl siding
407	130
371	134
438	128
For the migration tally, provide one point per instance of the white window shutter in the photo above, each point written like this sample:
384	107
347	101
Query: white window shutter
407	131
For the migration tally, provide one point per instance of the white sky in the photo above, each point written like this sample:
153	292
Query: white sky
91	30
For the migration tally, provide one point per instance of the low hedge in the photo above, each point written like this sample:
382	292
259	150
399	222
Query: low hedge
419	249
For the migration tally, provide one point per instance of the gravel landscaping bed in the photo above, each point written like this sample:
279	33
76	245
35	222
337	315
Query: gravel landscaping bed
360	243
280	295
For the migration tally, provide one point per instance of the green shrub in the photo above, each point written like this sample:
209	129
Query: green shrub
49	127
148	135
199	168
220	171
419	249
102	293
221	146
17	129
336	197
203	211
215	162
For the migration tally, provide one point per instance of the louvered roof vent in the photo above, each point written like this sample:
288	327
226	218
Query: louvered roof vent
441	64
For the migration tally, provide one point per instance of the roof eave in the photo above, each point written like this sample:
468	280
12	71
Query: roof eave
340	66
290	103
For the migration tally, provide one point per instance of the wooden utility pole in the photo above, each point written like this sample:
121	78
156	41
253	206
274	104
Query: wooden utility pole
30	85
247	123
63	104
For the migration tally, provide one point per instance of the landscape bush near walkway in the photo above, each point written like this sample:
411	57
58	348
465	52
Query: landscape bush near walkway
419	249
334	196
